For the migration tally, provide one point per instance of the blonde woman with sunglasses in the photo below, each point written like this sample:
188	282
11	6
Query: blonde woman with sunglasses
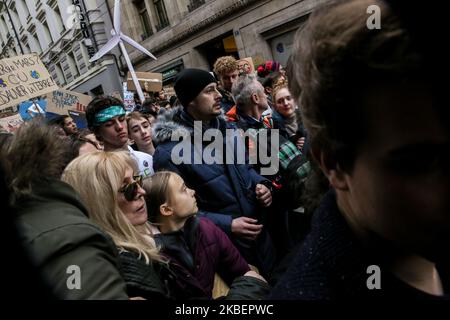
114	197
113	194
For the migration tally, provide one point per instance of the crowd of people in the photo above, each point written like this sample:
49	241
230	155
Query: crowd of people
362	180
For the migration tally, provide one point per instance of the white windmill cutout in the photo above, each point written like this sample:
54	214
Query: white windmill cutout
118	39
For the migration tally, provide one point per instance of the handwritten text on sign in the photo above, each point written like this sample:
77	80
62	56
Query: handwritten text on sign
22	78
61	101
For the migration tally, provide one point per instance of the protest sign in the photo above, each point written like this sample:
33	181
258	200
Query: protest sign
150	82
60	101
22	78
128	98
246	66
11	123
32	108
79	118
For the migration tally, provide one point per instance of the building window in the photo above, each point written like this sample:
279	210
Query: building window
24	42
194	4
60	79
25	8
47	35
3	29
36	43
14	15
59	23
72	64
161	14
84	61
145	19
98	91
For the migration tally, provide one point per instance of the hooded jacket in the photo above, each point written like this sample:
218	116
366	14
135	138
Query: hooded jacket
64	244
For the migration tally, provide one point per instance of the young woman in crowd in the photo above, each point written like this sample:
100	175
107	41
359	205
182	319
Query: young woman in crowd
286	114
66	123
140	131
195	247
114	197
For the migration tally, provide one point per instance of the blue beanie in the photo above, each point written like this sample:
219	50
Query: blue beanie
190	82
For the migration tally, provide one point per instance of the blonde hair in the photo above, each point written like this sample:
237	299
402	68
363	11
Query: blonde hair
136	115
225	64
97	177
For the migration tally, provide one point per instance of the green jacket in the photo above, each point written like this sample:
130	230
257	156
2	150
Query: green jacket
57	233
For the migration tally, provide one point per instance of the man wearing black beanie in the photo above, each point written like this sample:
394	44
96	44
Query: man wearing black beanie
190	82
232	195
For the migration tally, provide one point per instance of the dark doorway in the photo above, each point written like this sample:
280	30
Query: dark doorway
225	45
98	91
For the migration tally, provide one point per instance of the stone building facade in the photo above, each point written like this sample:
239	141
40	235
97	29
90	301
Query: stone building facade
65	33
193	33
180	33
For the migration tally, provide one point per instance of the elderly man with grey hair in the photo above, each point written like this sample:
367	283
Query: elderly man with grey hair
251	102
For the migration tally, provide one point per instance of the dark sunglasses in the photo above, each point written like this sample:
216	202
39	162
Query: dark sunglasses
130	190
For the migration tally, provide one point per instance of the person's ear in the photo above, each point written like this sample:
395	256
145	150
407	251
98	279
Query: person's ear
191	104
331	169
165	210
254	98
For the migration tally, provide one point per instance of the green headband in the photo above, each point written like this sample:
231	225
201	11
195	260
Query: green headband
107	114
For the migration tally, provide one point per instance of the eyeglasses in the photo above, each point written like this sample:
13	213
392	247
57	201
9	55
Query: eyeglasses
130	190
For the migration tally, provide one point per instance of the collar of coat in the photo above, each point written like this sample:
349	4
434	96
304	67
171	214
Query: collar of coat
179	122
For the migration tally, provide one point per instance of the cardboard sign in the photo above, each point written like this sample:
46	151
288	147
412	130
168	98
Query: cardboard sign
22	78
246	66
60	101
151	82
128	98
11	123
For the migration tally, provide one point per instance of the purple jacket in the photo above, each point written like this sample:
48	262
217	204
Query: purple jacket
196	253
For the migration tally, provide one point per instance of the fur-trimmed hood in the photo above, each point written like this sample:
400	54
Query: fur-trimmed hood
176	121
167	124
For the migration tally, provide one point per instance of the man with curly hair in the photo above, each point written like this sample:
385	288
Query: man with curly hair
227	70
